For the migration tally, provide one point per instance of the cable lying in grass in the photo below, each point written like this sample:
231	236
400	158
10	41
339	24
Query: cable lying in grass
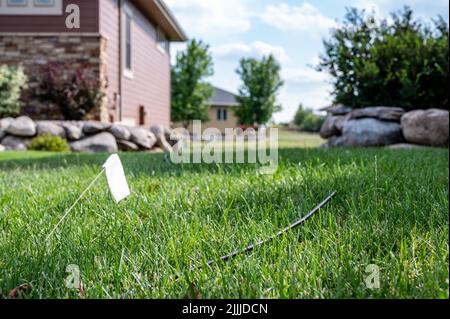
263	242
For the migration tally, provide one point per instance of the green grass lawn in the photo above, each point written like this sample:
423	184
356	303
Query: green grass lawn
391	210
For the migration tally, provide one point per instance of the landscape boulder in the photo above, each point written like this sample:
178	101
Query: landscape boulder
2	148
369	132
120	132
334	142
379	112
15	143
426	127
338	110
127	146
333	126
4	123
22	126
176	135
52	128
160	134
74	131
142	137
2	133
103	142
95	127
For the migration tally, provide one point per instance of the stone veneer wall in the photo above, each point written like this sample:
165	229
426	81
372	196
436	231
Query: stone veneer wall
86	51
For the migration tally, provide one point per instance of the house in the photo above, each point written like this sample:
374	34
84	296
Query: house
125	43
221	110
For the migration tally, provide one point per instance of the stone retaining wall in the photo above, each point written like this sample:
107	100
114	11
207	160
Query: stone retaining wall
386	126
84	51
89	136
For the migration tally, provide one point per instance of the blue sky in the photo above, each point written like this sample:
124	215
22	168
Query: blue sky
290	29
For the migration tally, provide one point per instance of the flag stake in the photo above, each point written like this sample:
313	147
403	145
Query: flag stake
76	202
285	230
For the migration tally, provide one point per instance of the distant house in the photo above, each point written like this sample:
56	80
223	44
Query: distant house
124	42
221	111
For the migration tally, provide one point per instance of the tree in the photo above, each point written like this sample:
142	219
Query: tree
189	89
399	63
307	121
300	115
258	93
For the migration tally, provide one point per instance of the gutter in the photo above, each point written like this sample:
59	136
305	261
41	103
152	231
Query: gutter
171	19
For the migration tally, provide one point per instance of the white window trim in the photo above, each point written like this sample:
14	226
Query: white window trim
127	11
221	114
158	46
31	8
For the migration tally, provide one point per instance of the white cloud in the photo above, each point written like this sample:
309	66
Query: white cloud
211	17
423	9
302	85
255	49
303	18
304	76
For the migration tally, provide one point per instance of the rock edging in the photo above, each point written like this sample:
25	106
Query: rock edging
386	126
16	134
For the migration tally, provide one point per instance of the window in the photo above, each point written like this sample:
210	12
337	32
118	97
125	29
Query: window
222	115
31	7
44	3
17	3
127	42
161	41
127	39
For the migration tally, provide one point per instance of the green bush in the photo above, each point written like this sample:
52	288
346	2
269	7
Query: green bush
312	123
49	143
12	80
398	62
306	120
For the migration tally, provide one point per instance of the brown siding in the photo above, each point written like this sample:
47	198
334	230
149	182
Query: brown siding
150	85
89	10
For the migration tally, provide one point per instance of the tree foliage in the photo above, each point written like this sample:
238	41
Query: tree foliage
258	92
307	120
403	62
190	92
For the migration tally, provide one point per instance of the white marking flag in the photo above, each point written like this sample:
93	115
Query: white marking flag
116	178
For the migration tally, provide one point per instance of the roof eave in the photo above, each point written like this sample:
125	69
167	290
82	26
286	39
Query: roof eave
178	30
158	13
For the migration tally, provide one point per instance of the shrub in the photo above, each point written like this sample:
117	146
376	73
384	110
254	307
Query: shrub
76	91
49	143
312	123
399	62
12	80
306	120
